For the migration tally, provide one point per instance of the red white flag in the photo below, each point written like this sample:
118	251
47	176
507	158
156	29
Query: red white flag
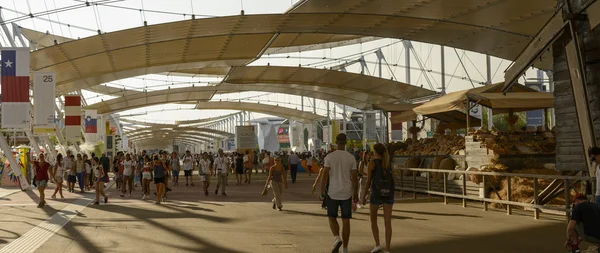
15	88
73	117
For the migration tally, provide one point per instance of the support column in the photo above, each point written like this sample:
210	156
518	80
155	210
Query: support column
443	70
550	74
34	143
328	124
490	114
49	146
344	120
364	130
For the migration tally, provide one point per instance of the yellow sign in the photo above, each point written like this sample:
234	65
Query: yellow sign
43	130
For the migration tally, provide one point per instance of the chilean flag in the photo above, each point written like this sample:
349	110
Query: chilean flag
14	64
15	76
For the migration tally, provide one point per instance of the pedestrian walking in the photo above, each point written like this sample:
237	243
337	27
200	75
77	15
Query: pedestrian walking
340	173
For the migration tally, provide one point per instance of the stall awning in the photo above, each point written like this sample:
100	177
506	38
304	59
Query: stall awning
520	98
451	107
395	107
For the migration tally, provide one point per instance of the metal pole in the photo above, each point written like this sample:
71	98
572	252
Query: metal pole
328	124
302	103
33	142
50	146
364	130
551	89
314	105
443	65
344	119
490	114
407	60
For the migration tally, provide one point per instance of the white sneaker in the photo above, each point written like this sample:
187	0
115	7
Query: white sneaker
337	243
143	197
344	250
377	249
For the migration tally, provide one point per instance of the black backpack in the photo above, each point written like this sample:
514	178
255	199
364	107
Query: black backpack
382	181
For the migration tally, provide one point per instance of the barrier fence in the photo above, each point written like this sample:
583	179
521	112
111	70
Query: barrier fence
467	190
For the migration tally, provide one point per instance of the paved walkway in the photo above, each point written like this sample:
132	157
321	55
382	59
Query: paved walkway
245	222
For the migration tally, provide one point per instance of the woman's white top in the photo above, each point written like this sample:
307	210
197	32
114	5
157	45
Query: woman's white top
60	171
97	171
88	168
127	168
204	166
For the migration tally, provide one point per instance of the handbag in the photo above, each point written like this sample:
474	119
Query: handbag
265	190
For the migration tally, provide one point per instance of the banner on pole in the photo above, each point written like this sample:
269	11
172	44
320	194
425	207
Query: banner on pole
15	88
245	137
91	125
73	117
44	84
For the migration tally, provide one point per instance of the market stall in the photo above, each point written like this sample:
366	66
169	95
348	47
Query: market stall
478	150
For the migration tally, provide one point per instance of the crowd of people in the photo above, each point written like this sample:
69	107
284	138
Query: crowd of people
347	181
338	176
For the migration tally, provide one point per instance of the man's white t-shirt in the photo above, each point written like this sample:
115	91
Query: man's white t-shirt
341	165
187	162
221	164
598	180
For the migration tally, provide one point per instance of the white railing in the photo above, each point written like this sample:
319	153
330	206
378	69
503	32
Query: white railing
410	185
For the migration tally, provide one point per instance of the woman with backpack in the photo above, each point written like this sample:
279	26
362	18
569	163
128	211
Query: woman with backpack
381	182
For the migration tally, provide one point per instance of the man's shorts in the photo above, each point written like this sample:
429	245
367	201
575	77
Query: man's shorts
344	205
175	173
71	178
188	173
43	183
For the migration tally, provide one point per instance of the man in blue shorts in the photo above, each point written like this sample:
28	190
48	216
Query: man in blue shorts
340	172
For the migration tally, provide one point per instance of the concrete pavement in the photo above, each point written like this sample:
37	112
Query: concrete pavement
244	222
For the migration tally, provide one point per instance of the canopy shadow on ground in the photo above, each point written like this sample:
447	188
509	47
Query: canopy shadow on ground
548	238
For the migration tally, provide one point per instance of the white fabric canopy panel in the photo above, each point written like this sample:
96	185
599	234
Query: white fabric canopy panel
500	28
173	136
144	99
274	110
174	133
357	85
183	129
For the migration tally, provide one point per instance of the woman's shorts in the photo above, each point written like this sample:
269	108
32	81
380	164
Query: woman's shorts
187	173
159	180
203	177
72	179
146	175
374	200
175	173
42	183
239	170
58	179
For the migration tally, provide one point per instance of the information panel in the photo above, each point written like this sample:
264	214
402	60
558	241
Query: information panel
43	97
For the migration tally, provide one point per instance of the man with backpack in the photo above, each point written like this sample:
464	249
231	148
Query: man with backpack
340	172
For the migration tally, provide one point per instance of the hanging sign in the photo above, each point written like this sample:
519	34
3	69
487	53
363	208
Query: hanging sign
44	84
